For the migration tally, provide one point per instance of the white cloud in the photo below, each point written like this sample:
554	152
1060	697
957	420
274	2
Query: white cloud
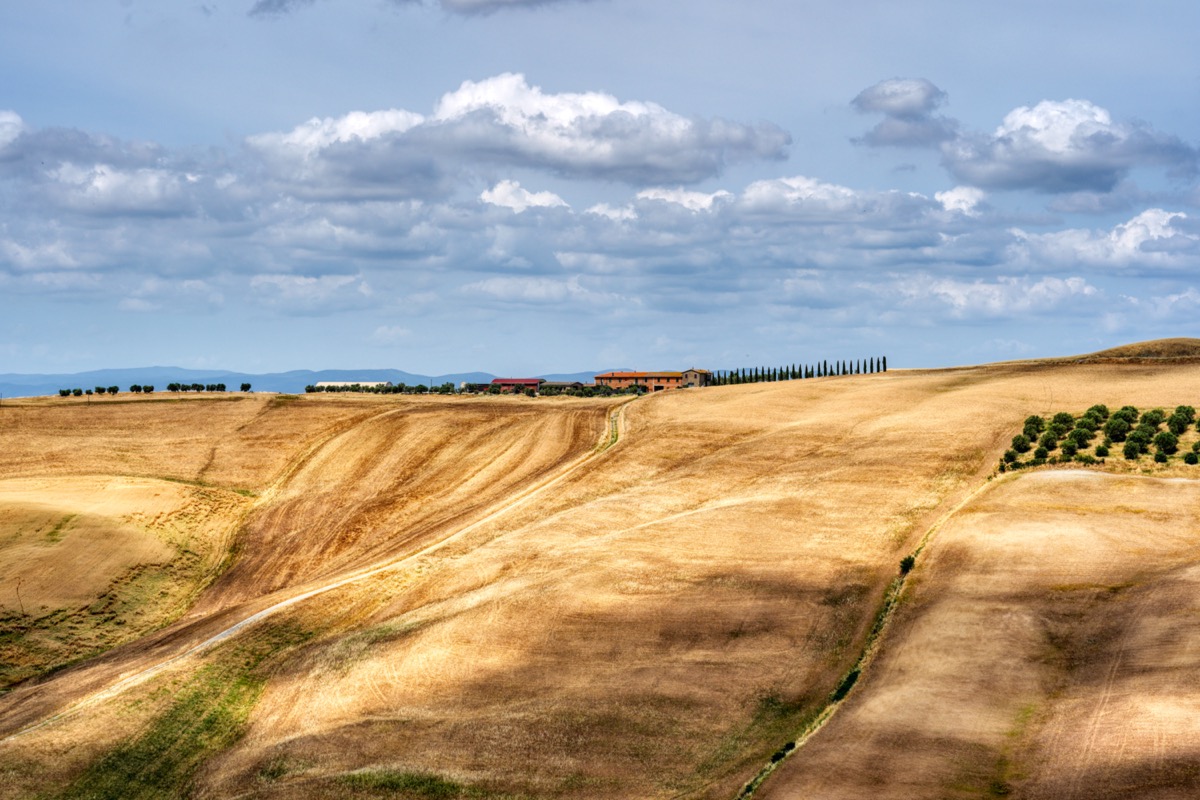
1061	146
614	213
963	199
787	195
1003	297
24	258
907	105
592	133
692	201
11	126
509	194
1150	239
105	189
306	140
541	291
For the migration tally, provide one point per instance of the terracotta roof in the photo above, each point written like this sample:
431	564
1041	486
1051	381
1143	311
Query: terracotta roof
524	381
640	375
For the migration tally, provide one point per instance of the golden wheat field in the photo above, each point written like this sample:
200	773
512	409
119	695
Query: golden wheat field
331	596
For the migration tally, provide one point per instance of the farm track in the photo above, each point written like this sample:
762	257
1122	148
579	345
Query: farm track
177	639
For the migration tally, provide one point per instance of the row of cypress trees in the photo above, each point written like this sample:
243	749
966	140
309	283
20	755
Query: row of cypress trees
823	369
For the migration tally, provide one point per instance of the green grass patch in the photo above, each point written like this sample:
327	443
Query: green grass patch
208	715
412	784
56	533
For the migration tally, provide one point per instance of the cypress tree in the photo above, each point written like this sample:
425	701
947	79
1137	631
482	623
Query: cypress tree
885	363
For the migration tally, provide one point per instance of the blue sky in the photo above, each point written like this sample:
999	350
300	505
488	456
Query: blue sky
523	187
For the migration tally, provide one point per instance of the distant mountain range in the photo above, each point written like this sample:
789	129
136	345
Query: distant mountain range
17	385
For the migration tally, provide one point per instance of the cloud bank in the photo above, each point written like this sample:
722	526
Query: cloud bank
1052	147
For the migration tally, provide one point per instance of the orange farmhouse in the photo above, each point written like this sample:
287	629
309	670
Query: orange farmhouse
655	381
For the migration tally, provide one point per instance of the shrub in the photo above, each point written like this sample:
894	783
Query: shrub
1178	423
1140	438
1100	411
1196	447
1102	451
77	392
845	686
1020	443
906	564
1081	437
1041	453
1064	420
1154	417
1084	458
1048	441
1132	451
1187	412
1127	413
1086	423
1069	449
1191	458
1160	457
1117	429
1035	421
1010	456
64	392
1166	442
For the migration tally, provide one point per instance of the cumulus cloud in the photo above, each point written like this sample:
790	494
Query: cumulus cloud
1062	146
592	134
963	199
1004	297
1055	146
504	120
692	201
509	194
908	106
1153	239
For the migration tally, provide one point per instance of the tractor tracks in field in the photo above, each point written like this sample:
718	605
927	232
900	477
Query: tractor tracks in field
615	428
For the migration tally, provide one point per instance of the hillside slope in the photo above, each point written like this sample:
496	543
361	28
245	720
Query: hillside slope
653	620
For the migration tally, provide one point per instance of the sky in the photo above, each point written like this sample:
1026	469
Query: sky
534	186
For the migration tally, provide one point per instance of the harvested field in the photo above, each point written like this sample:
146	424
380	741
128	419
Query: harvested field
1047	651
493	607
91	562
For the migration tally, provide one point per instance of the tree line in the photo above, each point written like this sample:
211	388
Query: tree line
822	369
140	388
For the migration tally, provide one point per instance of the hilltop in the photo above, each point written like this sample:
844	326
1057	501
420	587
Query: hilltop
493	596
1157	348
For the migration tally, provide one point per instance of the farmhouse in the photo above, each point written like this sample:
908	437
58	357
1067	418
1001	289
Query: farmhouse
650	381
518	384
655	381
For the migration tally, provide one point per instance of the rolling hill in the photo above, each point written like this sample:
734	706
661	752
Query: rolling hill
470	597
